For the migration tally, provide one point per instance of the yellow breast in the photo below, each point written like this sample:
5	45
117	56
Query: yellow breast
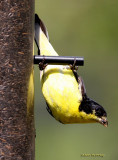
61	92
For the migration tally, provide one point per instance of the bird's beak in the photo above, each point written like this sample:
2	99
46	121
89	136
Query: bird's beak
103	121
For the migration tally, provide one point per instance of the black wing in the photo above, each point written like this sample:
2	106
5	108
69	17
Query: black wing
38	24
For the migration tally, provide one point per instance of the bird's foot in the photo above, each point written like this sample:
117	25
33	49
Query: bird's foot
42	64
73	67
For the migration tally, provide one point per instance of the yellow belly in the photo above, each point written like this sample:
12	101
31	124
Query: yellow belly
62	93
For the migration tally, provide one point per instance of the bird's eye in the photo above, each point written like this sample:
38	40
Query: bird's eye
99	111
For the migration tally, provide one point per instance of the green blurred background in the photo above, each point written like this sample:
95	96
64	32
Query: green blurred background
86	28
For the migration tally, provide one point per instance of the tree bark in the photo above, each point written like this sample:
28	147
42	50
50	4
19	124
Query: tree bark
17	131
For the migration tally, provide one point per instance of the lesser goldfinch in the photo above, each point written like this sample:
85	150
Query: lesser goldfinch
63	89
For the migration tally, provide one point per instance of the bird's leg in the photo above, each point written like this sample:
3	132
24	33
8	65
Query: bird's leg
73	67
42	65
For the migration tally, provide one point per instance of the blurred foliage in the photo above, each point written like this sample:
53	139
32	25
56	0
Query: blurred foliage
86	28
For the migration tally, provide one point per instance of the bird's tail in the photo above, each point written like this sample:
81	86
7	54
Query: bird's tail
42	39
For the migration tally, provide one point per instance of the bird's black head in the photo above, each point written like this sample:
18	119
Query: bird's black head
91	107
99	110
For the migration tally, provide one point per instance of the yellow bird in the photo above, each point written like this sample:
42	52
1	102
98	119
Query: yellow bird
63	89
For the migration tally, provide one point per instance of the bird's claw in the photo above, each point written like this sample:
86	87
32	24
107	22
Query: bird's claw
42	65
74	67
